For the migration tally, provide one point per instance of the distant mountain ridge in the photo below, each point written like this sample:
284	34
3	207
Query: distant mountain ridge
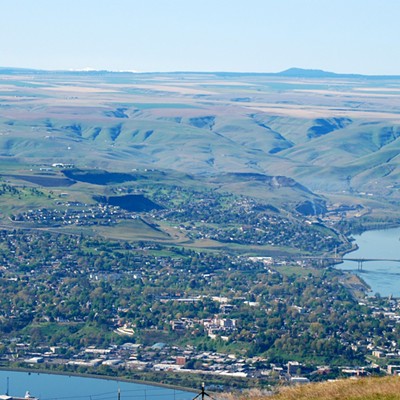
313	73
291	72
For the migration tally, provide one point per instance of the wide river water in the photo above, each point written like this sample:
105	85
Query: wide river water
383	277
65	387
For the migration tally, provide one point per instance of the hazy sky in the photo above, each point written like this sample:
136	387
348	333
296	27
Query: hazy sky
358	36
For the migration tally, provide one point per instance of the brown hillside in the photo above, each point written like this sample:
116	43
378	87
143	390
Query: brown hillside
347	389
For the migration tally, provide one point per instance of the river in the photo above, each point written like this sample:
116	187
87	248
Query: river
383	277
63	387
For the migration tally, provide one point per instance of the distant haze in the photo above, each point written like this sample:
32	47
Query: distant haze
356	36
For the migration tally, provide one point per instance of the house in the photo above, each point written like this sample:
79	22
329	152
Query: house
393	369
180	360
158	346
293	367
34	360
378	354
178	325
299	380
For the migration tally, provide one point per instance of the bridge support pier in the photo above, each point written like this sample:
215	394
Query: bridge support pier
359	265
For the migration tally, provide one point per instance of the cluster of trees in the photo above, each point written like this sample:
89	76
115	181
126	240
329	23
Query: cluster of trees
13	191
8	189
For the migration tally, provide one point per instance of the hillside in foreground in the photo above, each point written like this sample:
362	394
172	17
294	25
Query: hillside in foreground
349	389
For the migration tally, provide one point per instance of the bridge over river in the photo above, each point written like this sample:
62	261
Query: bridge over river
360	261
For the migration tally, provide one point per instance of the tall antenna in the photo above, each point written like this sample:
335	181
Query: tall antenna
203	393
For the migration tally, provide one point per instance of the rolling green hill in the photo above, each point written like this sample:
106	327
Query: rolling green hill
330	134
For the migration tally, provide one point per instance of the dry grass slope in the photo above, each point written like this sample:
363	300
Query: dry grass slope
348	389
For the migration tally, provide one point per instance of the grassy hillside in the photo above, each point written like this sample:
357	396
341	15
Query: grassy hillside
362	389
332	135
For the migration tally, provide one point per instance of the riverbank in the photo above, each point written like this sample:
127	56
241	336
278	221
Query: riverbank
96	376
356	285
55	386
184	381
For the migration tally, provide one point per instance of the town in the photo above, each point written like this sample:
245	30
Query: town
137	360
166	309
81	304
